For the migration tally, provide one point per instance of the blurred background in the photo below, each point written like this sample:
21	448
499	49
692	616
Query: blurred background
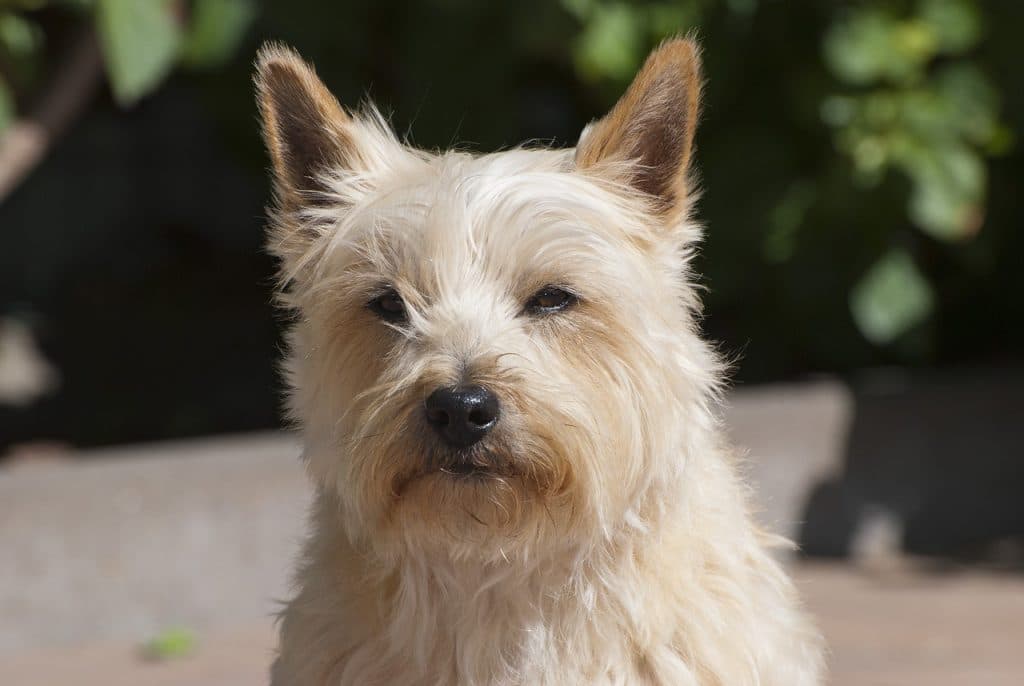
861	165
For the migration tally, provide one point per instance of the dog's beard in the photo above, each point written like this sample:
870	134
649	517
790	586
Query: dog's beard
482	462
412	490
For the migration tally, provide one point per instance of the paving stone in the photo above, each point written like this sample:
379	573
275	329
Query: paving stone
950	629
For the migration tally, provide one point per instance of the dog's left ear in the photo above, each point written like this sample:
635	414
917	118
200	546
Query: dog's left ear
649	132
309	135
305	129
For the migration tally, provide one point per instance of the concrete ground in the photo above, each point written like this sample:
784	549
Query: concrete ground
100	552
911	629
918	629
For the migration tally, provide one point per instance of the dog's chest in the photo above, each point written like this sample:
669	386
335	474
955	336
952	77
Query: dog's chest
546	668
489	649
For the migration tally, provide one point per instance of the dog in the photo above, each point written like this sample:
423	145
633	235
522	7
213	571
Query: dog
509	417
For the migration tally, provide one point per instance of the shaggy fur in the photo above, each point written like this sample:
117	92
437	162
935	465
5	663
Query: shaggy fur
608	540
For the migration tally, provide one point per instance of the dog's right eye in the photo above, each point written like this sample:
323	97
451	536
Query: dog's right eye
389	306
550	299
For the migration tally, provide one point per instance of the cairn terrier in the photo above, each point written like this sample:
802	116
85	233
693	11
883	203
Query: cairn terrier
509	417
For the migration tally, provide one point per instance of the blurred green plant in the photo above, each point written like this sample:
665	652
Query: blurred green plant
137	43
859	134
918	104
19	42
616	34
170	644
892	296
912	100
141	41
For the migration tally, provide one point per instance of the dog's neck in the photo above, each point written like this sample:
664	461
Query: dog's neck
648	600
430	609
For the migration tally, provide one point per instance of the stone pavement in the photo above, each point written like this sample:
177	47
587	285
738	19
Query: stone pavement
915	628
102	551
961	628
109	545
112	546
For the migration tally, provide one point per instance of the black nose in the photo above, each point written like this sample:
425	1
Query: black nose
462	414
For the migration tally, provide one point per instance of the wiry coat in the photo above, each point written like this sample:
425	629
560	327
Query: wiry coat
608	541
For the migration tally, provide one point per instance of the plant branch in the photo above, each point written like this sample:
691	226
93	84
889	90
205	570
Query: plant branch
24	144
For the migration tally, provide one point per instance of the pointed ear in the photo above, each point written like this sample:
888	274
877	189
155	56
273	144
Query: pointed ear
305	129
651	127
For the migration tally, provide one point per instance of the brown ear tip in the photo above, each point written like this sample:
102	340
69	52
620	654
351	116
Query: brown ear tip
688	43
684	50
276	56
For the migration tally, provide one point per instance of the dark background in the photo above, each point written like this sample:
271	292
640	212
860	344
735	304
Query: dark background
133	251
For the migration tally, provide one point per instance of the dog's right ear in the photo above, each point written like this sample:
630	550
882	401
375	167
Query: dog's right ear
306	131
651	128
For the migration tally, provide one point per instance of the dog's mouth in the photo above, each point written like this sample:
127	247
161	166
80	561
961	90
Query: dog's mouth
476	466
477	462
468	468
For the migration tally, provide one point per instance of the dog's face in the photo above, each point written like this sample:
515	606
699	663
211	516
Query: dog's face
491	353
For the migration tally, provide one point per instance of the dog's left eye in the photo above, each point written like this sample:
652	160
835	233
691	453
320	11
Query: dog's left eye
389	306
549	299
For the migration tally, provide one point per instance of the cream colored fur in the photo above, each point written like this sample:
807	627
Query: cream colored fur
614	545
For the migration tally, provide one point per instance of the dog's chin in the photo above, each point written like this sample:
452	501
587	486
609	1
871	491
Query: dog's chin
456	493
488	506
477	466
456	477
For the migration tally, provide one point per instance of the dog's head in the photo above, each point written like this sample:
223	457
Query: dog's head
490	353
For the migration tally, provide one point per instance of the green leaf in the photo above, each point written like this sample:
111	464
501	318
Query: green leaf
140	41
19	36
77	5
955	23
971	99
838	110
6	106
915	40
169	644
24	4
785	219
891	298
742	7
610	44
218	27
871	45
1001	141
579	8
666	19
948	195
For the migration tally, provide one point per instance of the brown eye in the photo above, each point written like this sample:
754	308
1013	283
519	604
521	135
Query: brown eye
550	299
389	306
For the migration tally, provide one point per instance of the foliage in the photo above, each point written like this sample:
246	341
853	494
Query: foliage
857	158
892	296
170	644
140	43
923	109
142	40
912	100
616	35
